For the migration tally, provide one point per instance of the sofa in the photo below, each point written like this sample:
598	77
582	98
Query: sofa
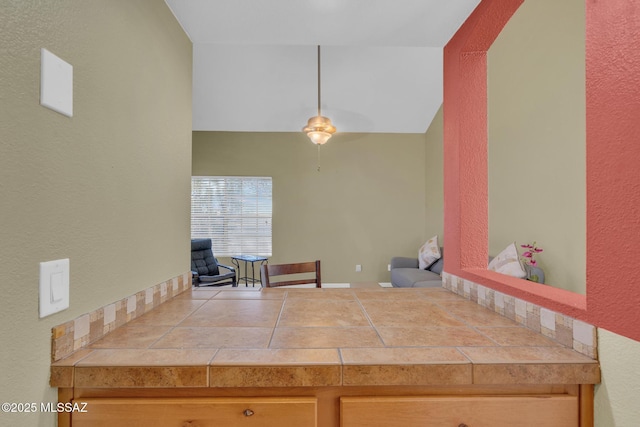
406	274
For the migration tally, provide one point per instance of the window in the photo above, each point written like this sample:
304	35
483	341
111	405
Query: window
234	212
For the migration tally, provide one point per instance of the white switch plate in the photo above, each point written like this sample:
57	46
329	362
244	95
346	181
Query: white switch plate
358	267
54	286
56	83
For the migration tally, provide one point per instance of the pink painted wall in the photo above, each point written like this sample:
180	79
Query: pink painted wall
613	163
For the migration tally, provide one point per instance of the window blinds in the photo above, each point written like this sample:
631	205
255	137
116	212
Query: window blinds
234	212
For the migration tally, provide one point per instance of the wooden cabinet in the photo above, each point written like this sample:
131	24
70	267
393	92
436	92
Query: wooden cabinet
385	406
198	412
460	411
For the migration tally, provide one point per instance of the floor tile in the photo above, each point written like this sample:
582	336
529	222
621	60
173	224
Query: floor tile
131	337
216	337
199	293
250	313
416	312
147	357
516	336
474	314
325	337
168	314
433	336
321	312
391	294
316	294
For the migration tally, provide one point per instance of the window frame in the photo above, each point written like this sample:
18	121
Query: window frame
235	212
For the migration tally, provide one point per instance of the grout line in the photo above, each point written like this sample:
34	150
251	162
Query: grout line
273	330
370	321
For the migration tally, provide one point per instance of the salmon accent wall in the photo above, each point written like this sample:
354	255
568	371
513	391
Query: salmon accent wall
613	164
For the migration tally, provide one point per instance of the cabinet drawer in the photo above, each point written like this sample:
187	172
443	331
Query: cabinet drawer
455	411
198	412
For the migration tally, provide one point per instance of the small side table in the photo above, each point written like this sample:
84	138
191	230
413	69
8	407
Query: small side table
249	259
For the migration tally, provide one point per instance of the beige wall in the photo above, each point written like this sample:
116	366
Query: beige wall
617	396
366	205
434	162
108	188
536	110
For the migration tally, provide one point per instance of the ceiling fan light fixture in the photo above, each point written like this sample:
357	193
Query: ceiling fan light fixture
319	128
318	138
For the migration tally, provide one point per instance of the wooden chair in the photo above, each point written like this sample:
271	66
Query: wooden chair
268	270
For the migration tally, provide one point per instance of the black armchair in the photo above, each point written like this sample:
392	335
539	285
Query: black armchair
205	268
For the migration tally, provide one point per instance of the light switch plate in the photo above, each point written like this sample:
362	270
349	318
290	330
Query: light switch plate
56	83
54	286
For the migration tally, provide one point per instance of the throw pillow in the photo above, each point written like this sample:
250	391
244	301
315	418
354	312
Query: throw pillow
507	262
429	253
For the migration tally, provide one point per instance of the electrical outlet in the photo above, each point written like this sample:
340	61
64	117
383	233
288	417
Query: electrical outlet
388	267
358	267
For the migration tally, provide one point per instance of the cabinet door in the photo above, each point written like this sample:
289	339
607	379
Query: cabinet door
457	411
197	412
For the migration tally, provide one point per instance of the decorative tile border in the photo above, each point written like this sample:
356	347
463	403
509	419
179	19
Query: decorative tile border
80	332
563	329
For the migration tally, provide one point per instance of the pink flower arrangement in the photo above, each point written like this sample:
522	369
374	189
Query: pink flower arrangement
529	254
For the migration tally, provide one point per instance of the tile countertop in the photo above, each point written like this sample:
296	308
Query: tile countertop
321	337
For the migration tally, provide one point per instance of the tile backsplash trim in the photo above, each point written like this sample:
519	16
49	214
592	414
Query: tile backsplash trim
80	332
565	330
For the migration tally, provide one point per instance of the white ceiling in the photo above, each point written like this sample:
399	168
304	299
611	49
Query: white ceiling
255	62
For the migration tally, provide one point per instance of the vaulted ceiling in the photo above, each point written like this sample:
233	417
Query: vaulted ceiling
255	62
